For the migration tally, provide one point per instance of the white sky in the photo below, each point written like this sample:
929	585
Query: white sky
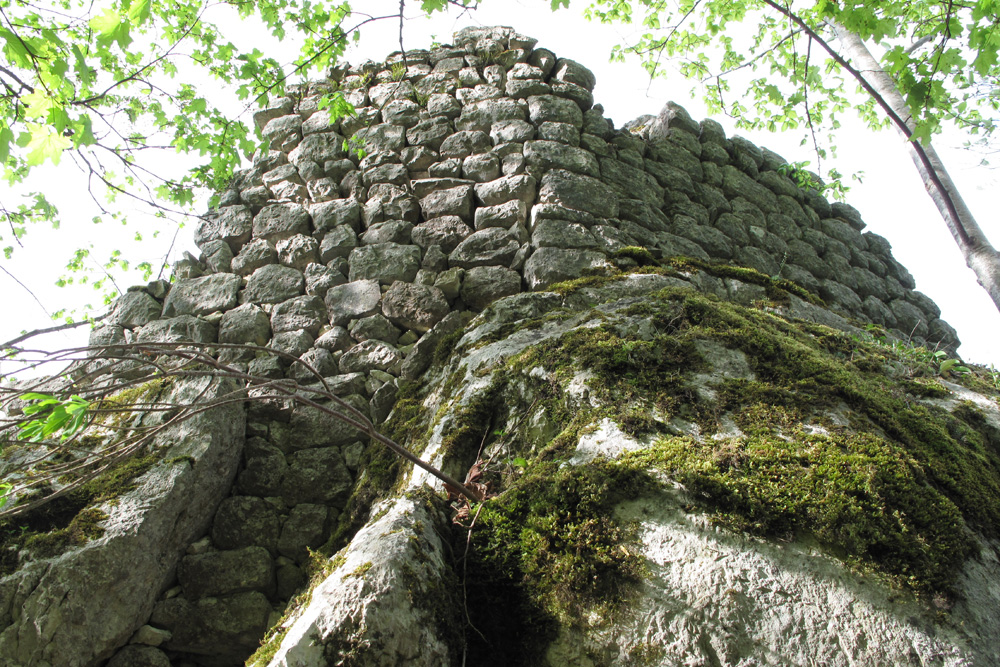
891	198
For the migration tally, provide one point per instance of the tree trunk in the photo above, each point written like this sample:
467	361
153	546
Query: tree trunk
980	256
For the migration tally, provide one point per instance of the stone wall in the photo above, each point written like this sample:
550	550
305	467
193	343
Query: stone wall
468	173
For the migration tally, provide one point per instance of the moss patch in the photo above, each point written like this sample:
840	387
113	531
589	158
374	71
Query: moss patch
70	520
545	552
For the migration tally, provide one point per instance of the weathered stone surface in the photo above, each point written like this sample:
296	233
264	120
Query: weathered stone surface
480	116
254	255
446	232
177	330
390	231
226	572
465	143
414	307
488	247
373	327
280	221
407	624
330	214
301	312
313	364
298	251
309	428
521	187
103	591
316	475
561	234
135	655
370	355
552	265
450	202
578	192
384	262
247	324
227	628
293	343
502	215
571	71
353	300
482	285
231	224
264	468
541	156
134	309
304	529
273	284
245	521
201	296
430	133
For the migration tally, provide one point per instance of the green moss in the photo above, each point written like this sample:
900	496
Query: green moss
69	520
567	287
641	256
545	552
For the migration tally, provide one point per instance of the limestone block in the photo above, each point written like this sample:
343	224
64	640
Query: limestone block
561	132
247	324
670	153
226	628
264	468
487	247
483	114
298	251
430	133
279	107
244	521
465	143
134	309
451	202
507	188
503	215
176	330
283	132
483	285
573	72
447	232
320	121
272	284
254	255
481	168
301	312
441	104
404	113
416	307
578	94
373	327
562	234
380	138
543	108
281	221
837	294
542	155
551	265
353	300
293	343
231	224
579	192
201	296
226	572
318	148
909	318
387	201
370	355
304	529
339	242
631	181
384	262
321	361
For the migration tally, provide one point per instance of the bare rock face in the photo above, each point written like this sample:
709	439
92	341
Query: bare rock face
79	608
383	602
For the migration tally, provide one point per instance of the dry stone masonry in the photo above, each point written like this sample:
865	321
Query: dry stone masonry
467	173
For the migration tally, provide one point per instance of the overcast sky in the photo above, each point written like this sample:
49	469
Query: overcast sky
891	198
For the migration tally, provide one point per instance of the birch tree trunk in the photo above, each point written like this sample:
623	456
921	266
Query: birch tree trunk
979	255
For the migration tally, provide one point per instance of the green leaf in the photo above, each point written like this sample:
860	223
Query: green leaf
138	13
45	145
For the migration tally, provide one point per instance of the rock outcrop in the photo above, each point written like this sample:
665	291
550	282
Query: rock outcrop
676	374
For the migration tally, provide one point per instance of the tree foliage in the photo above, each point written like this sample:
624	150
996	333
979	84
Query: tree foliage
942	55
